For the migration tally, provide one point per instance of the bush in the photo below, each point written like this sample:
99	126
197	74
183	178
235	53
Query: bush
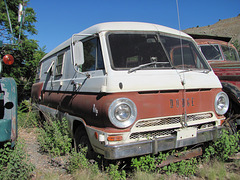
185	167
54	137
224	147
14	164
114	173
144	163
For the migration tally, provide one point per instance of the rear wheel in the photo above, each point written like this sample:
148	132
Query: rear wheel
81	141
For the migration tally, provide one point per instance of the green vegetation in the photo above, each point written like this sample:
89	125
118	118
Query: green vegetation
224	147
54	137
115	173
183	168
79	162
14	164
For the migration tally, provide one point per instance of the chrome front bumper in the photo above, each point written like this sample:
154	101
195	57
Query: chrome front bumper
159	144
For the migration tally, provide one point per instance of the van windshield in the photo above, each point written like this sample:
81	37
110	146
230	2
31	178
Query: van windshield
211	52
153	51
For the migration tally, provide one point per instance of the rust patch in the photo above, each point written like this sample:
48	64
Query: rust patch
36	91
182	156
13	130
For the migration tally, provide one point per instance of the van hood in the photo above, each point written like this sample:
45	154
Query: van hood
143	80
225	64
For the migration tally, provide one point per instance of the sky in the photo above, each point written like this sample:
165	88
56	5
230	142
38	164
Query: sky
57	20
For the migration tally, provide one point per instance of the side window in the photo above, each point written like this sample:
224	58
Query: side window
59	65
92	55
229	53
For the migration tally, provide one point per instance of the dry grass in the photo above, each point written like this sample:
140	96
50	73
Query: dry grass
218	170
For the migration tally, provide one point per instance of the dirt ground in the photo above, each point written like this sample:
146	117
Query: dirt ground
45	164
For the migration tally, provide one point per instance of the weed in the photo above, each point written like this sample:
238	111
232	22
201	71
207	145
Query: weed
185	167
163	156
114	173
26	117
224	147
14	164
144	163
78	161
149	163
54	137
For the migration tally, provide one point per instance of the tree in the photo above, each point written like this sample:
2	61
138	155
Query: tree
26	52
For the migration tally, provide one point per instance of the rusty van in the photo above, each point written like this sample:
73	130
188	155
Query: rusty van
8	106
224	60
126	90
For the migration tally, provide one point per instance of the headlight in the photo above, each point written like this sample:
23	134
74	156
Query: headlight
221	103
122	112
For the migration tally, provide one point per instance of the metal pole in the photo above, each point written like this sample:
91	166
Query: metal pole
9	20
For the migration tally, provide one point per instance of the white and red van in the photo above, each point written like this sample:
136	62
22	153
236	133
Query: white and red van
130	88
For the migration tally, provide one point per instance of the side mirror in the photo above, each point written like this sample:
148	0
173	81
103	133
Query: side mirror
78	53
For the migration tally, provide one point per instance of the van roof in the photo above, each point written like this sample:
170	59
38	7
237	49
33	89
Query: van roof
118	26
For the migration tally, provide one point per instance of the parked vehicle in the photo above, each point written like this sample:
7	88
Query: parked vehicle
8	106
224	60
127	90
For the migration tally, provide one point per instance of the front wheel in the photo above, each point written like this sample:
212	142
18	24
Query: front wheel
81	141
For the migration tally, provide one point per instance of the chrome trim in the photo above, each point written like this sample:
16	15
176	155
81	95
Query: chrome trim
172	120
158	145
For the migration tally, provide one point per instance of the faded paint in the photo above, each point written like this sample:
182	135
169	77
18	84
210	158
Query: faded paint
227	71
82	104
8	121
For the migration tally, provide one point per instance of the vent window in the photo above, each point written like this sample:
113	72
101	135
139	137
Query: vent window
59	65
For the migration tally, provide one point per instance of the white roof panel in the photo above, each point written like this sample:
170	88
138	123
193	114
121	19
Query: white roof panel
119	26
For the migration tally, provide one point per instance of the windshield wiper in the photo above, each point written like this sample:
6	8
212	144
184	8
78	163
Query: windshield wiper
188	70
145	65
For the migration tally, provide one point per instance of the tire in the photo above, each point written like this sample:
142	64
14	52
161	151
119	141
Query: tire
81	141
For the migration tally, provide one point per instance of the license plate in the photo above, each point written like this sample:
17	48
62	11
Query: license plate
186	133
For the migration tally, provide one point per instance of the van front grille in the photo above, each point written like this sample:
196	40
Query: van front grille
172	120
151	134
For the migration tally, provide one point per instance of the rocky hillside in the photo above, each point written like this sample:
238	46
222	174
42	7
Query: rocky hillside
227	28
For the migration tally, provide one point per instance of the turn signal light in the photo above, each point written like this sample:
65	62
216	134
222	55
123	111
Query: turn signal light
114	138
8	59
222	121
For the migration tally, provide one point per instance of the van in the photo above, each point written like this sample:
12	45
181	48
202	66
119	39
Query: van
127	89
